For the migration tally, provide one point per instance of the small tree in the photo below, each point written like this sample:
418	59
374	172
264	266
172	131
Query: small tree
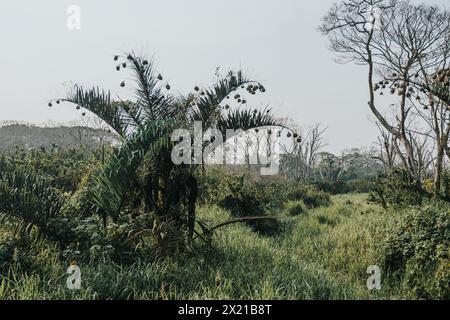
140	175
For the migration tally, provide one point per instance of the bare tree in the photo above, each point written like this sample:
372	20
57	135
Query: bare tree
397	44
387	153
299	161
423	152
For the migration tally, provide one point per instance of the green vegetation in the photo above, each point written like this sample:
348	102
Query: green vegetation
141	227
322	254
318	248
295	208
417	253
310	260
140	210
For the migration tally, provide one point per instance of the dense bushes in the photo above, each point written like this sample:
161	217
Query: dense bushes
312	197
40	184
417	253
272	193
243	200
212	186
361	185
332	187
295	208
397	189
247	196
345	186
63	168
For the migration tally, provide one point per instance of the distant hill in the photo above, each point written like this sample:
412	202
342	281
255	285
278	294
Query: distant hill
28	136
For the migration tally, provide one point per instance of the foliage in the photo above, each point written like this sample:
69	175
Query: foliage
111	183
27	254
30	199
345	186
295	208
445	192
398	189
309	260
37	190
417	252
243	200
273	193
212	186
63	168
312	197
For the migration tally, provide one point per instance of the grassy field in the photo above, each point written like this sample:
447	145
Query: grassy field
322	254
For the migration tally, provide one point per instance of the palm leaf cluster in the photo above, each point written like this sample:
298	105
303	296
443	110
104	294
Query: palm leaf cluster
154	103
246	120
112	182
28	198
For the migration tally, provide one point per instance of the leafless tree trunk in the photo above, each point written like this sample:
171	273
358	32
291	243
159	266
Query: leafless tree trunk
387	149
437	118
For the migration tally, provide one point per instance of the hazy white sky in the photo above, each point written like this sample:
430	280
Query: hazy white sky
275	41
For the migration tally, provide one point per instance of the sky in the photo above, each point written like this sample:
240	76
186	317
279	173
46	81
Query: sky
276	42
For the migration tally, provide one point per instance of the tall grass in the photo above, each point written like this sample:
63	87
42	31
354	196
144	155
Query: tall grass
322	254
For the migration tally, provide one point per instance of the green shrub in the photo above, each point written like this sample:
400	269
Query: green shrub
212	187
332	187
359	185
244	200
312	197
327	220
272	193
295	208
64	168
247	196
398	189
446	185
345	186
417	254
7	247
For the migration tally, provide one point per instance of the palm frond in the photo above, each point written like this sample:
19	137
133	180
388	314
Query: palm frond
99	102
150	97
184	110
110	184
207	107
29	198
247	119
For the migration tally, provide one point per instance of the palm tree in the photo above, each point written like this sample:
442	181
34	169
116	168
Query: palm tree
140	174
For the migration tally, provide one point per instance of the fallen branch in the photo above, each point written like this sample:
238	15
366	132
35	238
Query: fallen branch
237	220
226	223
